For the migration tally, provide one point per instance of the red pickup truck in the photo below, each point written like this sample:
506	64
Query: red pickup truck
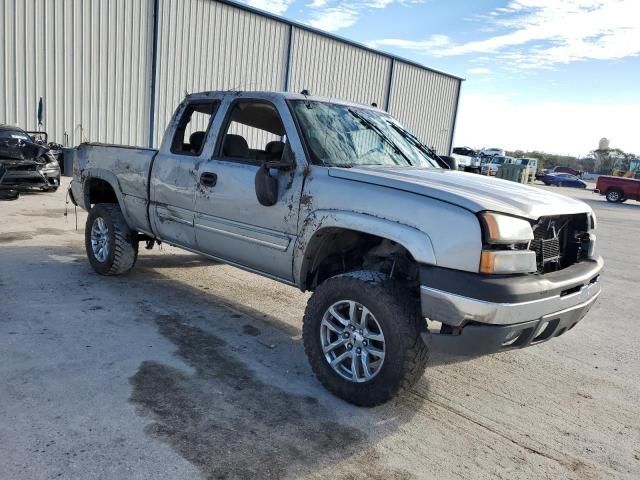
618	189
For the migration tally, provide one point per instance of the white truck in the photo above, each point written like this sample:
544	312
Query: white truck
531	165
468	159
491	166
402	254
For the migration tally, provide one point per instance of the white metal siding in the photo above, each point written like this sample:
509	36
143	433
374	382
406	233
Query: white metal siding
425	102
206	45
88	59
331	68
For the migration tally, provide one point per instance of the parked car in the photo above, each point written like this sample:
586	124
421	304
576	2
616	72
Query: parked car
467	158
491	167
618	189
27	162
569	170
340	199
563	180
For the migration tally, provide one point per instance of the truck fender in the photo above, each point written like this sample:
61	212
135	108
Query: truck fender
109	177
415	241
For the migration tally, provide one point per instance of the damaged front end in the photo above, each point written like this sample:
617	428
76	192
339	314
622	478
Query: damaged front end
26	162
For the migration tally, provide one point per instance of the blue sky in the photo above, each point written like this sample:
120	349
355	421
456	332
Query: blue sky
552	75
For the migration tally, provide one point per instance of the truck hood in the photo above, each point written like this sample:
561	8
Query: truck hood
467	190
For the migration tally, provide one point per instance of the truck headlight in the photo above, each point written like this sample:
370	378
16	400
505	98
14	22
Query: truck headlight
508	261
506	245
503	229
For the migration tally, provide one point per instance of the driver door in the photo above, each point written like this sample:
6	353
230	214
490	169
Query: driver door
230	222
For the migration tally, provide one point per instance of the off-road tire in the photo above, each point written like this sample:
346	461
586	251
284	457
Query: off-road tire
397	312
614	195
123	251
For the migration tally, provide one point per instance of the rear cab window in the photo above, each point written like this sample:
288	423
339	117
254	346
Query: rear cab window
193	128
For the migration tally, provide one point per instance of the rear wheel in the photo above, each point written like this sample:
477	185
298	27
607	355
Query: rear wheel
362	335
614	195
112	247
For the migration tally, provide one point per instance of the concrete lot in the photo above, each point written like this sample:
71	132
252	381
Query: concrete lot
188	368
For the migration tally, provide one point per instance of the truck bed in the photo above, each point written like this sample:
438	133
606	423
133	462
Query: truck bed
129	165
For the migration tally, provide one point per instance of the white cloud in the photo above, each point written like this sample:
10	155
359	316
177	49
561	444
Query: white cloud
274	6
479	71
378	3
540	33
334	18
333	15
317	3
555	127
431	43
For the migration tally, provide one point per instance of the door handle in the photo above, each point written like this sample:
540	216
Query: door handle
209	179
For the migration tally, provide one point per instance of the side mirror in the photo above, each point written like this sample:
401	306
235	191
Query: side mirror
451	162
266	186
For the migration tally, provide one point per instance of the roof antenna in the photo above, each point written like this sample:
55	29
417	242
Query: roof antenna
306	94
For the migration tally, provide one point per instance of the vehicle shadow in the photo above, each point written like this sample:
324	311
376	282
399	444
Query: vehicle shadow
246	404
180	260
601	203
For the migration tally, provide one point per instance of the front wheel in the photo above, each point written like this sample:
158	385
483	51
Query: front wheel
112	247
362	335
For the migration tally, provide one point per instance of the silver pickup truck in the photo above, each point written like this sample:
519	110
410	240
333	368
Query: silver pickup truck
403	255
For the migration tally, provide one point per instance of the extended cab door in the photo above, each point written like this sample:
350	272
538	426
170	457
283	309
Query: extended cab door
230	222
174	179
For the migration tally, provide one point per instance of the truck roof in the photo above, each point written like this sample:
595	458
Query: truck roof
286	95
4	126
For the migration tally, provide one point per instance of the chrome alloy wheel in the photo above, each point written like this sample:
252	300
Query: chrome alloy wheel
613	196
352	341
100	239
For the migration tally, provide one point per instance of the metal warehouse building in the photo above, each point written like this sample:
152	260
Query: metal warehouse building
113	71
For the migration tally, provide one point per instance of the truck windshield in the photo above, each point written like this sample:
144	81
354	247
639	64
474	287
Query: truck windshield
343	136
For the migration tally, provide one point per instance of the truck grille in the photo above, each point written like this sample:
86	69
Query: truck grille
30	167
560	241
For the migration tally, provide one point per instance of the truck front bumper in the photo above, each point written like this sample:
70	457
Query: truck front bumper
482	314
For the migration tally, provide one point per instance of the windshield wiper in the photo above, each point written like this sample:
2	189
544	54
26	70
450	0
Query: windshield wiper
379	131
339	165
416	142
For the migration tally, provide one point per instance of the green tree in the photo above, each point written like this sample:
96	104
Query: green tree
609	159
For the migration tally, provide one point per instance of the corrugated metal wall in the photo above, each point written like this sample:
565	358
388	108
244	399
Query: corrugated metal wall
425	102
88	59
330	68
91	60
206	45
